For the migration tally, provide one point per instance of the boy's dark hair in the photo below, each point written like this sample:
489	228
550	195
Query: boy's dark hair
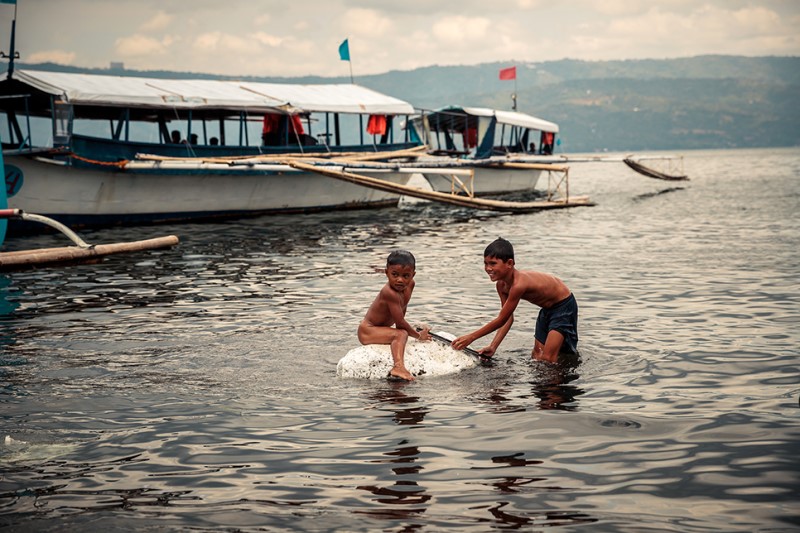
501	249
402	258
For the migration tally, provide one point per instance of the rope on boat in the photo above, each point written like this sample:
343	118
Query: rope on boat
119	164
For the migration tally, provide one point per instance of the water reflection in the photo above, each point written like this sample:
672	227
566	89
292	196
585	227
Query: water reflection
511	485
394	395
8	297
552	385
500	400
406	491
647	195
542	519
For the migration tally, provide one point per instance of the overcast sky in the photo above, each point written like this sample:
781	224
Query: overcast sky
302	37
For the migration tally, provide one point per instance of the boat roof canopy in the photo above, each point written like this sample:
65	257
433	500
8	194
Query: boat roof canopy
513	118
156	93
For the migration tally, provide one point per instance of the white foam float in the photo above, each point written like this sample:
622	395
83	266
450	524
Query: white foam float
428	358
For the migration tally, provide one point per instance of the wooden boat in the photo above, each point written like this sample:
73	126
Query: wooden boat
507	150
74	142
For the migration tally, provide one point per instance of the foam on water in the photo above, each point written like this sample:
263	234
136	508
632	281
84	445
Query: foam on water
429	358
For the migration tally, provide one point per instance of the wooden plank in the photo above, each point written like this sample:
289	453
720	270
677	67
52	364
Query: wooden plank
453	199
68	254
554	167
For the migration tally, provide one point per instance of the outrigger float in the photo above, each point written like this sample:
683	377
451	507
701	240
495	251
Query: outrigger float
79	253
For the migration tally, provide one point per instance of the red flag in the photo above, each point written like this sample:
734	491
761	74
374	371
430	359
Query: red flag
509	73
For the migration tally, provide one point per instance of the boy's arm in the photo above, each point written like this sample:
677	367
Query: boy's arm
490	350
396	311
505	317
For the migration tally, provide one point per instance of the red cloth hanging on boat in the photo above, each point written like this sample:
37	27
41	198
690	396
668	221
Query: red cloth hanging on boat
297	125
271	123
376	124
471	137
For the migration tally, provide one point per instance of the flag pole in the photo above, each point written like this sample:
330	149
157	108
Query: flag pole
13	54
344	55
514	96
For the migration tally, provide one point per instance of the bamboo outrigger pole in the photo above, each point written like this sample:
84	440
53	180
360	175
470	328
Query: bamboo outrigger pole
81	252
453	199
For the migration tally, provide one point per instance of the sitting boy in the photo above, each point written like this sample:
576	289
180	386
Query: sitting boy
389	309
557	324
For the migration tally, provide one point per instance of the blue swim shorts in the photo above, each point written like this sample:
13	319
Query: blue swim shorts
562	317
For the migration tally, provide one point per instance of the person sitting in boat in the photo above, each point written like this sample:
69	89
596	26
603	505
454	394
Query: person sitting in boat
389	309
532	149
193	139
557	323
214	141
176	137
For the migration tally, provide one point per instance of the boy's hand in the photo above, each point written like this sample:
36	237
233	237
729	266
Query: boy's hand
424	334
462	342
487	352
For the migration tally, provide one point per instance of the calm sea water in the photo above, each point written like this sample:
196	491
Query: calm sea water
195	388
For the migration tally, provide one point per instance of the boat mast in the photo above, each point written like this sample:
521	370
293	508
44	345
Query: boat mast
12	54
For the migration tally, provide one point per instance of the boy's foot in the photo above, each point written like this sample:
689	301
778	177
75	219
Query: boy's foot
396	374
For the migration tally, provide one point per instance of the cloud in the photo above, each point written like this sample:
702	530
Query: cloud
365	22
222	42
141	46
61	57
158	22
460	29
267	39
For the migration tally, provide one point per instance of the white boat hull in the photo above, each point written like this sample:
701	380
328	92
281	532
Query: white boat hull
489	181
148	191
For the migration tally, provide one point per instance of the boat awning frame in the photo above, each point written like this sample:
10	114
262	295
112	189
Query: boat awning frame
513	118
156	93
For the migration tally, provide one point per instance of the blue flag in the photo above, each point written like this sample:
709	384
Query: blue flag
344	51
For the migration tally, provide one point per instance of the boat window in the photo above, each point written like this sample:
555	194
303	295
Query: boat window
40	134
62	123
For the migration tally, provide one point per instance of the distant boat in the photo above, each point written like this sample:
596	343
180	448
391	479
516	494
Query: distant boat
214	147
507	150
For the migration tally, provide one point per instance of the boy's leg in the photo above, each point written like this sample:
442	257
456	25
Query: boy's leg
396	338
549	340
550	349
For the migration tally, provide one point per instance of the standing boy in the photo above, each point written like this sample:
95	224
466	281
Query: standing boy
389	309
557	324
